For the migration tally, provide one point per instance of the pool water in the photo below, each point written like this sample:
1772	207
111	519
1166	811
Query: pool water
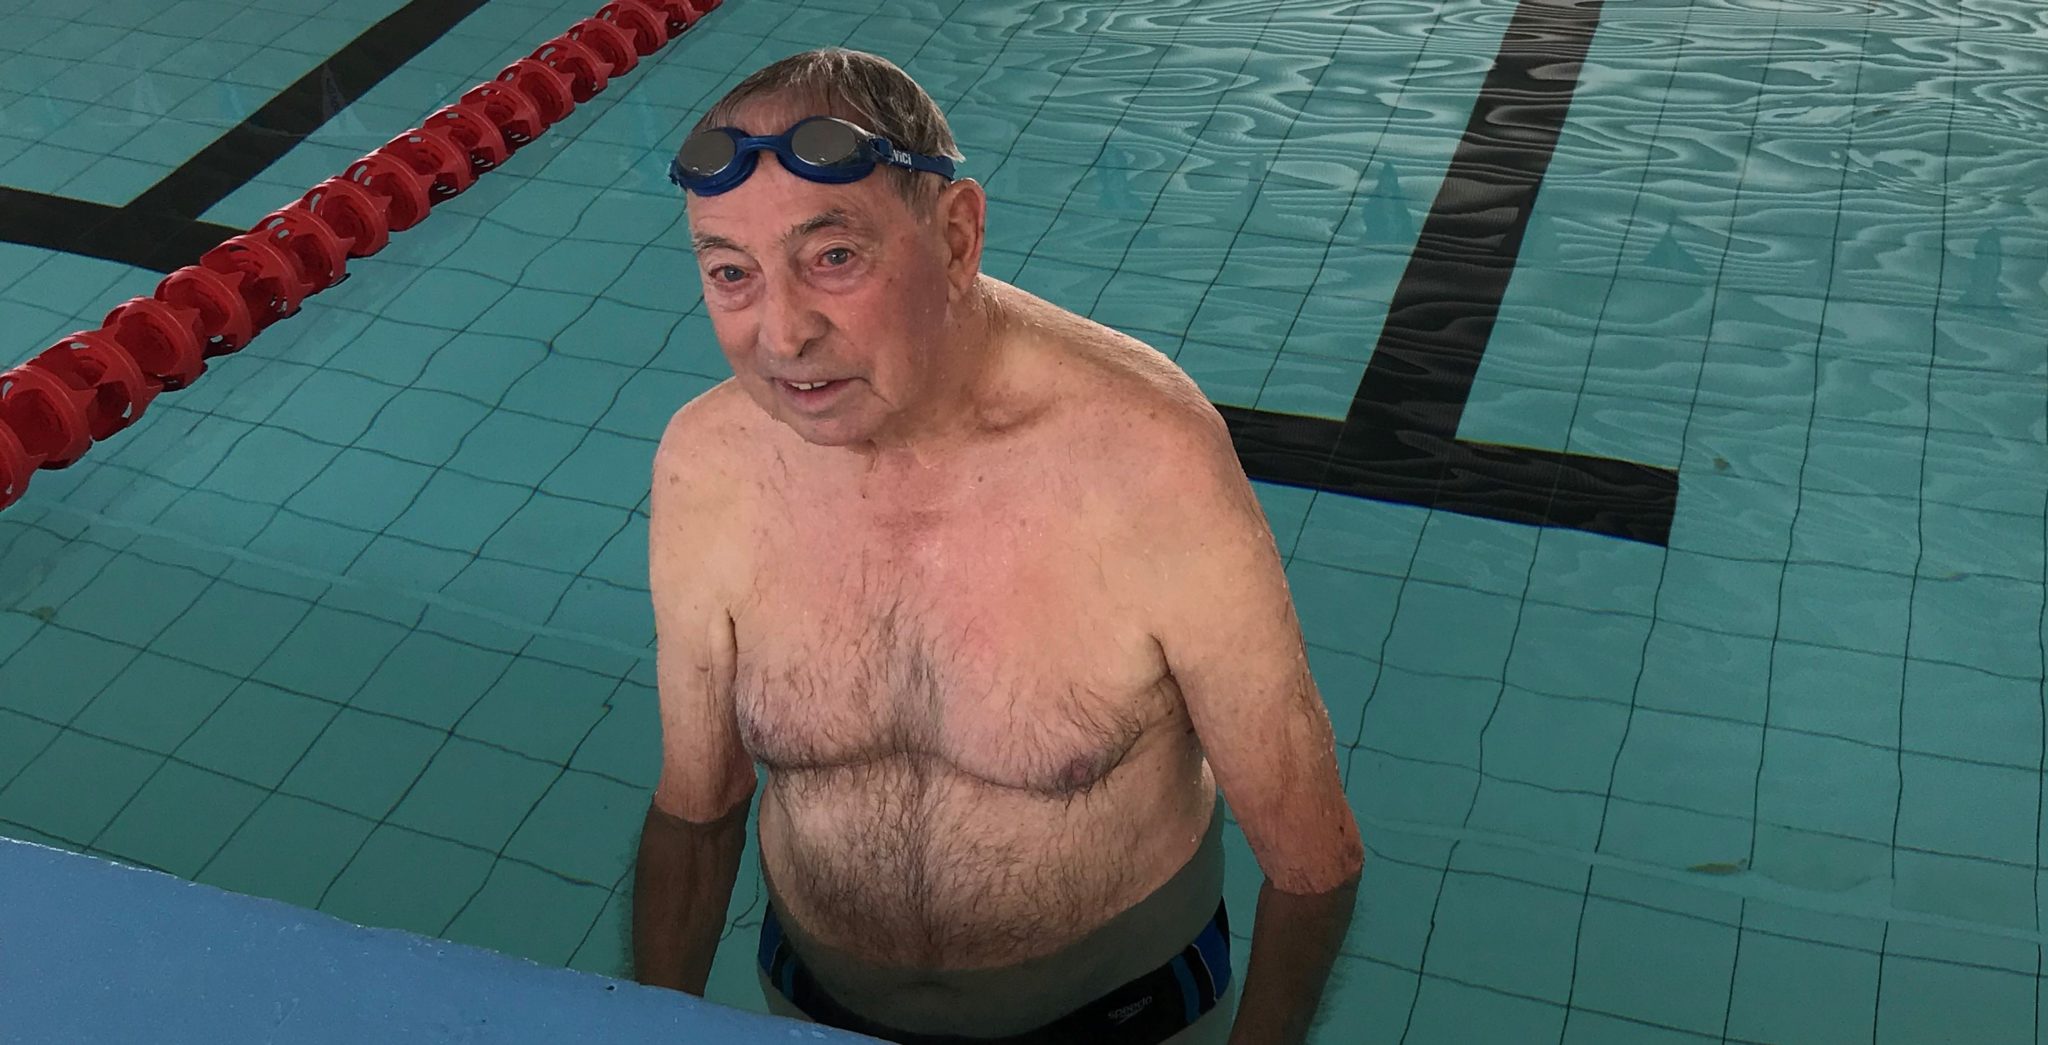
1658	446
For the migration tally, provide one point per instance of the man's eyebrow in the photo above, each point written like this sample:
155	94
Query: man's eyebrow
703	242
831	219
836	218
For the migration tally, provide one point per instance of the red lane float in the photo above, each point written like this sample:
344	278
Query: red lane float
471	128
318	254
509	109
679	14
265	278
362	221
16	466
646	26
94	383
550	92
47	415
437	158
609	43
405	192
165	343
217	312
103	379
587	73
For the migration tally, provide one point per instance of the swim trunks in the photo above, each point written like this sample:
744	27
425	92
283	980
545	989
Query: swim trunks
1145	1011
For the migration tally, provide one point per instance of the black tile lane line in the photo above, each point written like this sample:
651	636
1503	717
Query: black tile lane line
160	229
282	123
1399	442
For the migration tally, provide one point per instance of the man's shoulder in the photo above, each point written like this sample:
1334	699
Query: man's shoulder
1144	426
707	408
1155	440
703	440
1147	408
1119	385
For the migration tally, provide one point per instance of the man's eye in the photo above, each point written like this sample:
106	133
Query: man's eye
838	256
728	274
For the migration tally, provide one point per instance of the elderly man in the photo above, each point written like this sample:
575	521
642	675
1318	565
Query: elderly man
982	586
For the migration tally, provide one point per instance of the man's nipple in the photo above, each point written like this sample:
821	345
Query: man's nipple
1080	774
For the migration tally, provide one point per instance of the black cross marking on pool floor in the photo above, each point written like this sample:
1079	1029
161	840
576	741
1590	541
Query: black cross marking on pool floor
160	230
1399	442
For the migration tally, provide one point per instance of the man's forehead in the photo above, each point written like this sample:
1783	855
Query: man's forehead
776	113
768	118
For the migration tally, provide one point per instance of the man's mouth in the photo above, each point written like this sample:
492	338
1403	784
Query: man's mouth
813	393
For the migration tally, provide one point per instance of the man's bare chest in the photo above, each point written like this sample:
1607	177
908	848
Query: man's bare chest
1006	645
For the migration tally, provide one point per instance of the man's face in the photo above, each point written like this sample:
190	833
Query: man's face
807	282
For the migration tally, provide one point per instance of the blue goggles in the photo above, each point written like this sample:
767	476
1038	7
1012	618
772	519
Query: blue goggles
819	148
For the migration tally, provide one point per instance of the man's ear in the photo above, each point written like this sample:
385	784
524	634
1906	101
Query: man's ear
962	213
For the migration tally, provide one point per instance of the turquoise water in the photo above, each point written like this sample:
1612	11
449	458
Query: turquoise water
359	620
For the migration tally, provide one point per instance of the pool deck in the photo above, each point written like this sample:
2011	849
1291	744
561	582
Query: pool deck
94	951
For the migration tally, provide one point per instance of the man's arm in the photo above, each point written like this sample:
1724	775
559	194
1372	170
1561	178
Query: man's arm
695	829
682	882
1232	640
1295	941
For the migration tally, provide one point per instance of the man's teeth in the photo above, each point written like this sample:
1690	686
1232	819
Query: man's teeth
806	388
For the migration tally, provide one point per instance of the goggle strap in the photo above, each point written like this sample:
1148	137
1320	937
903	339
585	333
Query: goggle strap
910	161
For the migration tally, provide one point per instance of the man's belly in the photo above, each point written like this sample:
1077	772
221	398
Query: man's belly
958	874
1013	920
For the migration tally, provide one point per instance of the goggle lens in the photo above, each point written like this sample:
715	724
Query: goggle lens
827	143
706	154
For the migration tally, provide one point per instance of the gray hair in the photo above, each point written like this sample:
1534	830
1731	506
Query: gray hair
863	88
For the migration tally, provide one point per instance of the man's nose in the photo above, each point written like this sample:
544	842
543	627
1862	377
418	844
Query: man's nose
790	320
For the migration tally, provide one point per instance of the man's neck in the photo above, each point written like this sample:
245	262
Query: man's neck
962	402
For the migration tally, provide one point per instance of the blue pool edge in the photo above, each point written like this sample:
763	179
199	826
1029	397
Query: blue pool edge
92	950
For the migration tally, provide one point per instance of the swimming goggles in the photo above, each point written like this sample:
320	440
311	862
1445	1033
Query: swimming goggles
819	148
